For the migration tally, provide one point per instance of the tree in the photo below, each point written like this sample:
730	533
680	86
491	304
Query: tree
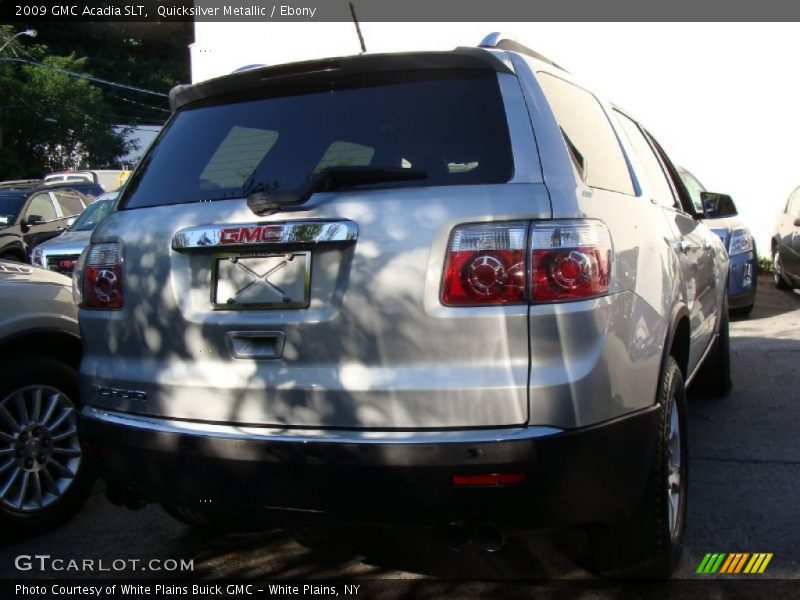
50	120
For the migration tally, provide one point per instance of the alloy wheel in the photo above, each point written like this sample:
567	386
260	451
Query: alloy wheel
39	448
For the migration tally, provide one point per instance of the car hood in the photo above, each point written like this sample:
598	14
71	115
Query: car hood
69	242
12	273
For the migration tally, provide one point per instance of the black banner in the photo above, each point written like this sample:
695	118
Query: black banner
443	11
390	589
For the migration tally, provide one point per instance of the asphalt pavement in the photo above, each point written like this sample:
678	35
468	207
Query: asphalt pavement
743	497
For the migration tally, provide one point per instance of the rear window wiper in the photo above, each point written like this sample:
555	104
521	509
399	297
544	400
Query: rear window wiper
262	200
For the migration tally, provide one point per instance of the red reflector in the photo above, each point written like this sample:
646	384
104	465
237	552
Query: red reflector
489	479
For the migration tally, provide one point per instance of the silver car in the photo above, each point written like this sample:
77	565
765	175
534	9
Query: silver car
60	253
43	476
440	289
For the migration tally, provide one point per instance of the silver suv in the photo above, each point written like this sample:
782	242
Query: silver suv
429	288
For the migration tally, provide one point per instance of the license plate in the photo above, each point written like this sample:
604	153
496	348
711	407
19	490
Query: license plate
247	280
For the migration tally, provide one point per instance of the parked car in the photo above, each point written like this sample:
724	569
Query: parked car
29	216
60	253
737	238
90	190
786	245
44	478
20	183
109	180
438	288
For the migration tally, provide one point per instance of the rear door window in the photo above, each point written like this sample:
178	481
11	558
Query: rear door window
660	188
41	205
451	125
588	134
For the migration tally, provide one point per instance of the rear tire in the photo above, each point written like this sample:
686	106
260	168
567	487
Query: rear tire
191	517
214	522
777	272
649	544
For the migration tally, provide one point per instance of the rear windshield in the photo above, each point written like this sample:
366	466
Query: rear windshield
454	129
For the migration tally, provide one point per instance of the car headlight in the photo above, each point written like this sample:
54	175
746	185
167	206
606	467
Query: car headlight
741	242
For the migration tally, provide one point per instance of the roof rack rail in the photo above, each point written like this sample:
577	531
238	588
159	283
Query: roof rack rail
503	42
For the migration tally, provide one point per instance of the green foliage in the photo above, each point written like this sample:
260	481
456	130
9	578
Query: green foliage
50	120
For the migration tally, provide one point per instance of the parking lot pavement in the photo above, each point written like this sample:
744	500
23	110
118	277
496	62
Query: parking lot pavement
744	474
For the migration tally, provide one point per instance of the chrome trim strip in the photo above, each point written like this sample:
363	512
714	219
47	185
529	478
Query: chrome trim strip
234	235
275	434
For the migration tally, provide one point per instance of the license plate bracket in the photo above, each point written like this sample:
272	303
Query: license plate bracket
260	280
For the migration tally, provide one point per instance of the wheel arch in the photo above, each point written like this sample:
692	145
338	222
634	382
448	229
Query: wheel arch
55	343
678	339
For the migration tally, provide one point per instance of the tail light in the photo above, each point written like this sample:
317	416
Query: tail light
490	264
486	264
570	260
97	280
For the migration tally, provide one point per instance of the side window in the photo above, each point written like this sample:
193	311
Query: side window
678	188
659	185
69	202
588	134
694	188
794	204
41	205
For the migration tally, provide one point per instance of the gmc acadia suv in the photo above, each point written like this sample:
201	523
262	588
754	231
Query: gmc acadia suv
421	288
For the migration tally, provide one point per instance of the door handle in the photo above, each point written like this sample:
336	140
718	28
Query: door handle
685	246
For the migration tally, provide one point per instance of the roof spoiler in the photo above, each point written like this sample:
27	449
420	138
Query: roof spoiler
460	58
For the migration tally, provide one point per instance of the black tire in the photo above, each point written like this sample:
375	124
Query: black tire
714	377
26	374
777	270
191	517
648	545
743	311
210	521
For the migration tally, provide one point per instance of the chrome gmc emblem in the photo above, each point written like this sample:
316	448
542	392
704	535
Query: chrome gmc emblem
268	234
250	235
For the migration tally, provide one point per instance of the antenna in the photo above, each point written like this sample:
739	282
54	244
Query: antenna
358	28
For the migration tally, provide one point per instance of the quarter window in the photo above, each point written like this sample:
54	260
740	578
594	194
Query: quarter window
588	134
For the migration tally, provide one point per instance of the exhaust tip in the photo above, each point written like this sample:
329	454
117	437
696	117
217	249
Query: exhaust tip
488	537
457	536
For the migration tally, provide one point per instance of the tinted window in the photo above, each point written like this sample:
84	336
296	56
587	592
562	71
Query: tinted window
453	129
659	185
694	187
588	132
9	208
41	205
93	214
70	202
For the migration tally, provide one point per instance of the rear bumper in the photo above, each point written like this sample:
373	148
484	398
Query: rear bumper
598	473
